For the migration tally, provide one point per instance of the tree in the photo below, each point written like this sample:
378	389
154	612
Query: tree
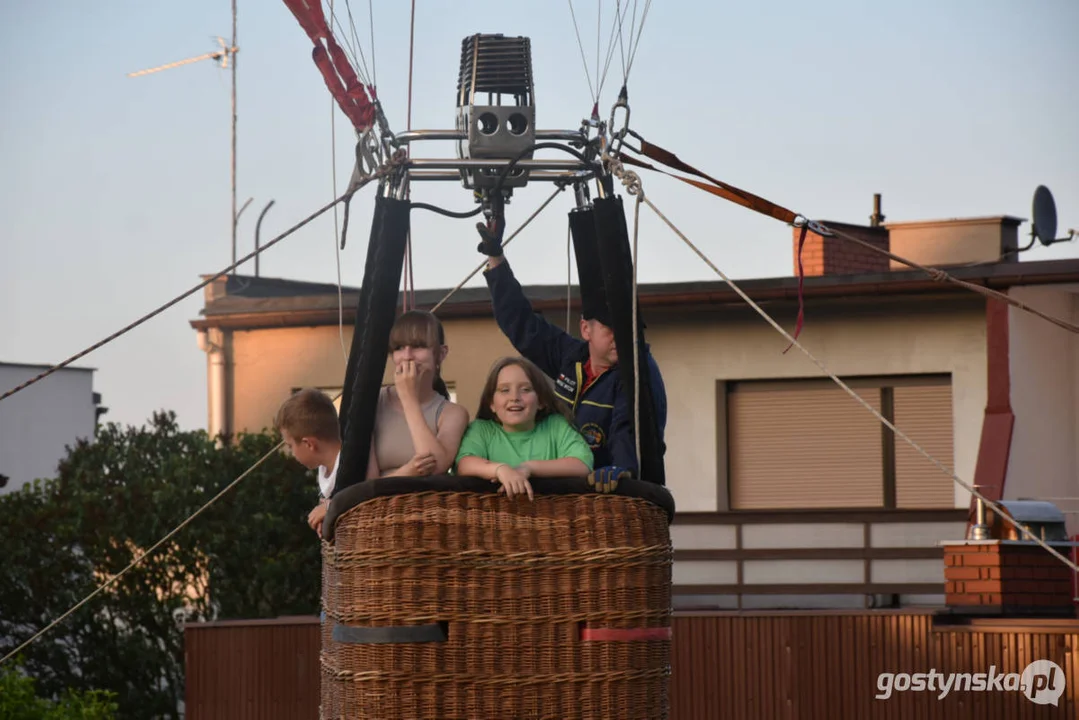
249	555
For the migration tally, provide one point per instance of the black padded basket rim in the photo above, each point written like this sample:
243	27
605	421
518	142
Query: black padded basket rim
359	493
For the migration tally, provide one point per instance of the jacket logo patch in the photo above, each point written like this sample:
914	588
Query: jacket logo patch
566	385
593	435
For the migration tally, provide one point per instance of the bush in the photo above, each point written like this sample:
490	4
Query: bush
19	701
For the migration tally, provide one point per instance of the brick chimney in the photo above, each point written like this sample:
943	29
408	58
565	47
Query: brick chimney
837	256
216	290
1002	577
1001	571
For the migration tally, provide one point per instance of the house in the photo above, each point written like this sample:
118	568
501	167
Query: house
38	424
790	493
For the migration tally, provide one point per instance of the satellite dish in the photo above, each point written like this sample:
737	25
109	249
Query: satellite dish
1044	227
1045	216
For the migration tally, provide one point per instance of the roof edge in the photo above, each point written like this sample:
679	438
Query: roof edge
991	219
998	276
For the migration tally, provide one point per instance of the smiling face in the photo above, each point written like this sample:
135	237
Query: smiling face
515	402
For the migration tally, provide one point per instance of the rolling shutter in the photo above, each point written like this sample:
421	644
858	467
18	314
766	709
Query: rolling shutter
924	413
803	445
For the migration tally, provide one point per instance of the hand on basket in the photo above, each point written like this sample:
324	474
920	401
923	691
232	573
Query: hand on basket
605	479
317	515
514	480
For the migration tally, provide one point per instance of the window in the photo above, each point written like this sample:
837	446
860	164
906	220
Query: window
452	388
335	392
808	444
335	395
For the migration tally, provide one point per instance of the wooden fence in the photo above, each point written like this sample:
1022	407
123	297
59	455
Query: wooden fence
794	665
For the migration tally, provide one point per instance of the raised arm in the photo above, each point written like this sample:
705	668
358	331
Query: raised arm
531	335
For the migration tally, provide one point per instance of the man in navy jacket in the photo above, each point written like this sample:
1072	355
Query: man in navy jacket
584	371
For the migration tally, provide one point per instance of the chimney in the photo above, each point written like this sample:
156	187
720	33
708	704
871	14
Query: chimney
999	571
960	241
876	218
837	256
217	289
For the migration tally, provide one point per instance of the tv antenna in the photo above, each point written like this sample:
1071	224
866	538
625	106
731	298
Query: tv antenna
1044	226
222	56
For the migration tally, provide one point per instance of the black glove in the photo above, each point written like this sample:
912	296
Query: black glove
605	479
491	232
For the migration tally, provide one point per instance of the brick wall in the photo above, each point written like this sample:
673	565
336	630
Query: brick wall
837	256
1007	578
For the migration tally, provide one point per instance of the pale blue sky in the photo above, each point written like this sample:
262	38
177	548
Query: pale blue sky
114	192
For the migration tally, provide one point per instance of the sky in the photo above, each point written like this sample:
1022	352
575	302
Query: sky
115	195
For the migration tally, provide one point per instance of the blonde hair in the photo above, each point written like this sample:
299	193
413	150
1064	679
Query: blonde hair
309	413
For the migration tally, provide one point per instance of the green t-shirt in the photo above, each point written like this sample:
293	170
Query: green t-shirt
553	438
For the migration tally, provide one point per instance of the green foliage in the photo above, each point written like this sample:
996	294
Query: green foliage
19	701
249	555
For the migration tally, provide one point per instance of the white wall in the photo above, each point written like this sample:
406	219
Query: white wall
907	338
37	423
1044	365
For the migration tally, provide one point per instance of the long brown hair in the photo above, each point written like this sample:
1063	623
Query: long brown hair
421	329
549	403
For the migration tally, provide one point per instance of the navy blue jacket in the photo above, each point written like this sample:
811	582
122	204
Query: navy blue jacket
602	411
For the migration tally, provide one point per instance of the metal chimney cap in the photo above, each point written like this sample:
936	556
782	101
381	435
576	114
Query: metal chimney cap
1038	511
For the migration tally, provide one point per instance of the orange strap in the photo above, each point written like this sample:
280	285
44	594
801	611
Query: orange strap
718	187
727	192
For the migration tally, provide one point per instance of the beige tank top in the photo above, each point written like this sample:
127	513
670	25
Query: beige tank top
393	441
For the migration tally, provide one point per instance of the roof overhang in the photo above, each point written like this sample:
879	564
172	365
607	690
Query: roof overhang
304	309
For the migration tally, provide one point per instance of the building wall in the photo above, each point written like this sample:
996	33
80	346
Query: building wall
266	365
1044	368
693	350
38	423
696	350
269	363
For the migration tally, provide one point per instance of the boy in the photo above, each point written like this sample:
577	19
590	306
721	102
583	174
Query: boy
308	424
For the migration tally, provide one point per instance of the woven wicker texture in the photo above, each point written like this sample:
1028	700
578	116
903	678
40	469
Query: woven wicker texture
513	584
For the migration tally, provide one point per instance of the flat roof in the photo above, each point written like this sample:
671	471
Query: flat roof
34	366
992	219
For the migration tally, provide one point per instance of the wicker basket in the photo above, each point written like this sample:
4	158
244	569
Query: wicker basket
558	608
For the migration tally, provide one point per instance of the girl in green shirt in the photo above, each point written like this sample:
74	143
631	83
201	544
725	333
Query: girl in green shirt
521	430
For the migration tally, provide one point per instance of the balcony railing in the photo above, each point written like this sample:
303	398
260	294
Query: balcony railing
812	558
